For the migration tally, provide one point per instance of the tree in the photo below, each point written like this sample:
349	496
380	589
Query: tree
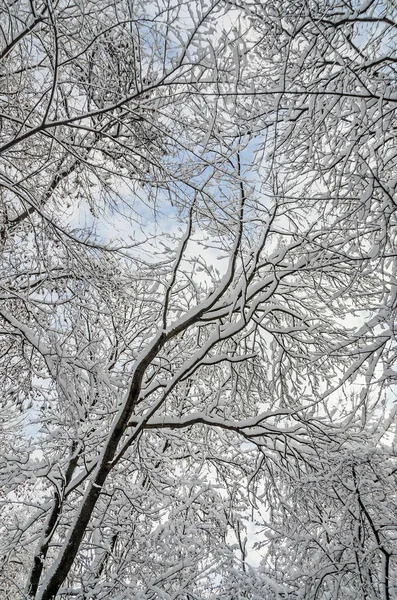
333	71
134	369
331	524
341	524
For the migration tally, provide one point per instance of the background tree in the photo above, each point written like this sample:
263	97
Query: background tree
333	532
333	134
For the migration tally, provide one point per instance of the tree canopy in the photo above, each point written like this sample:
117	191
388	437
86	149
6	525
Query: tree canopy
198	295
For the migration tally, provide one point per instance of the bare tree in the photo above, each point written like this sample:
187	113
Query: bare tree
152	390
332	529
333	133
